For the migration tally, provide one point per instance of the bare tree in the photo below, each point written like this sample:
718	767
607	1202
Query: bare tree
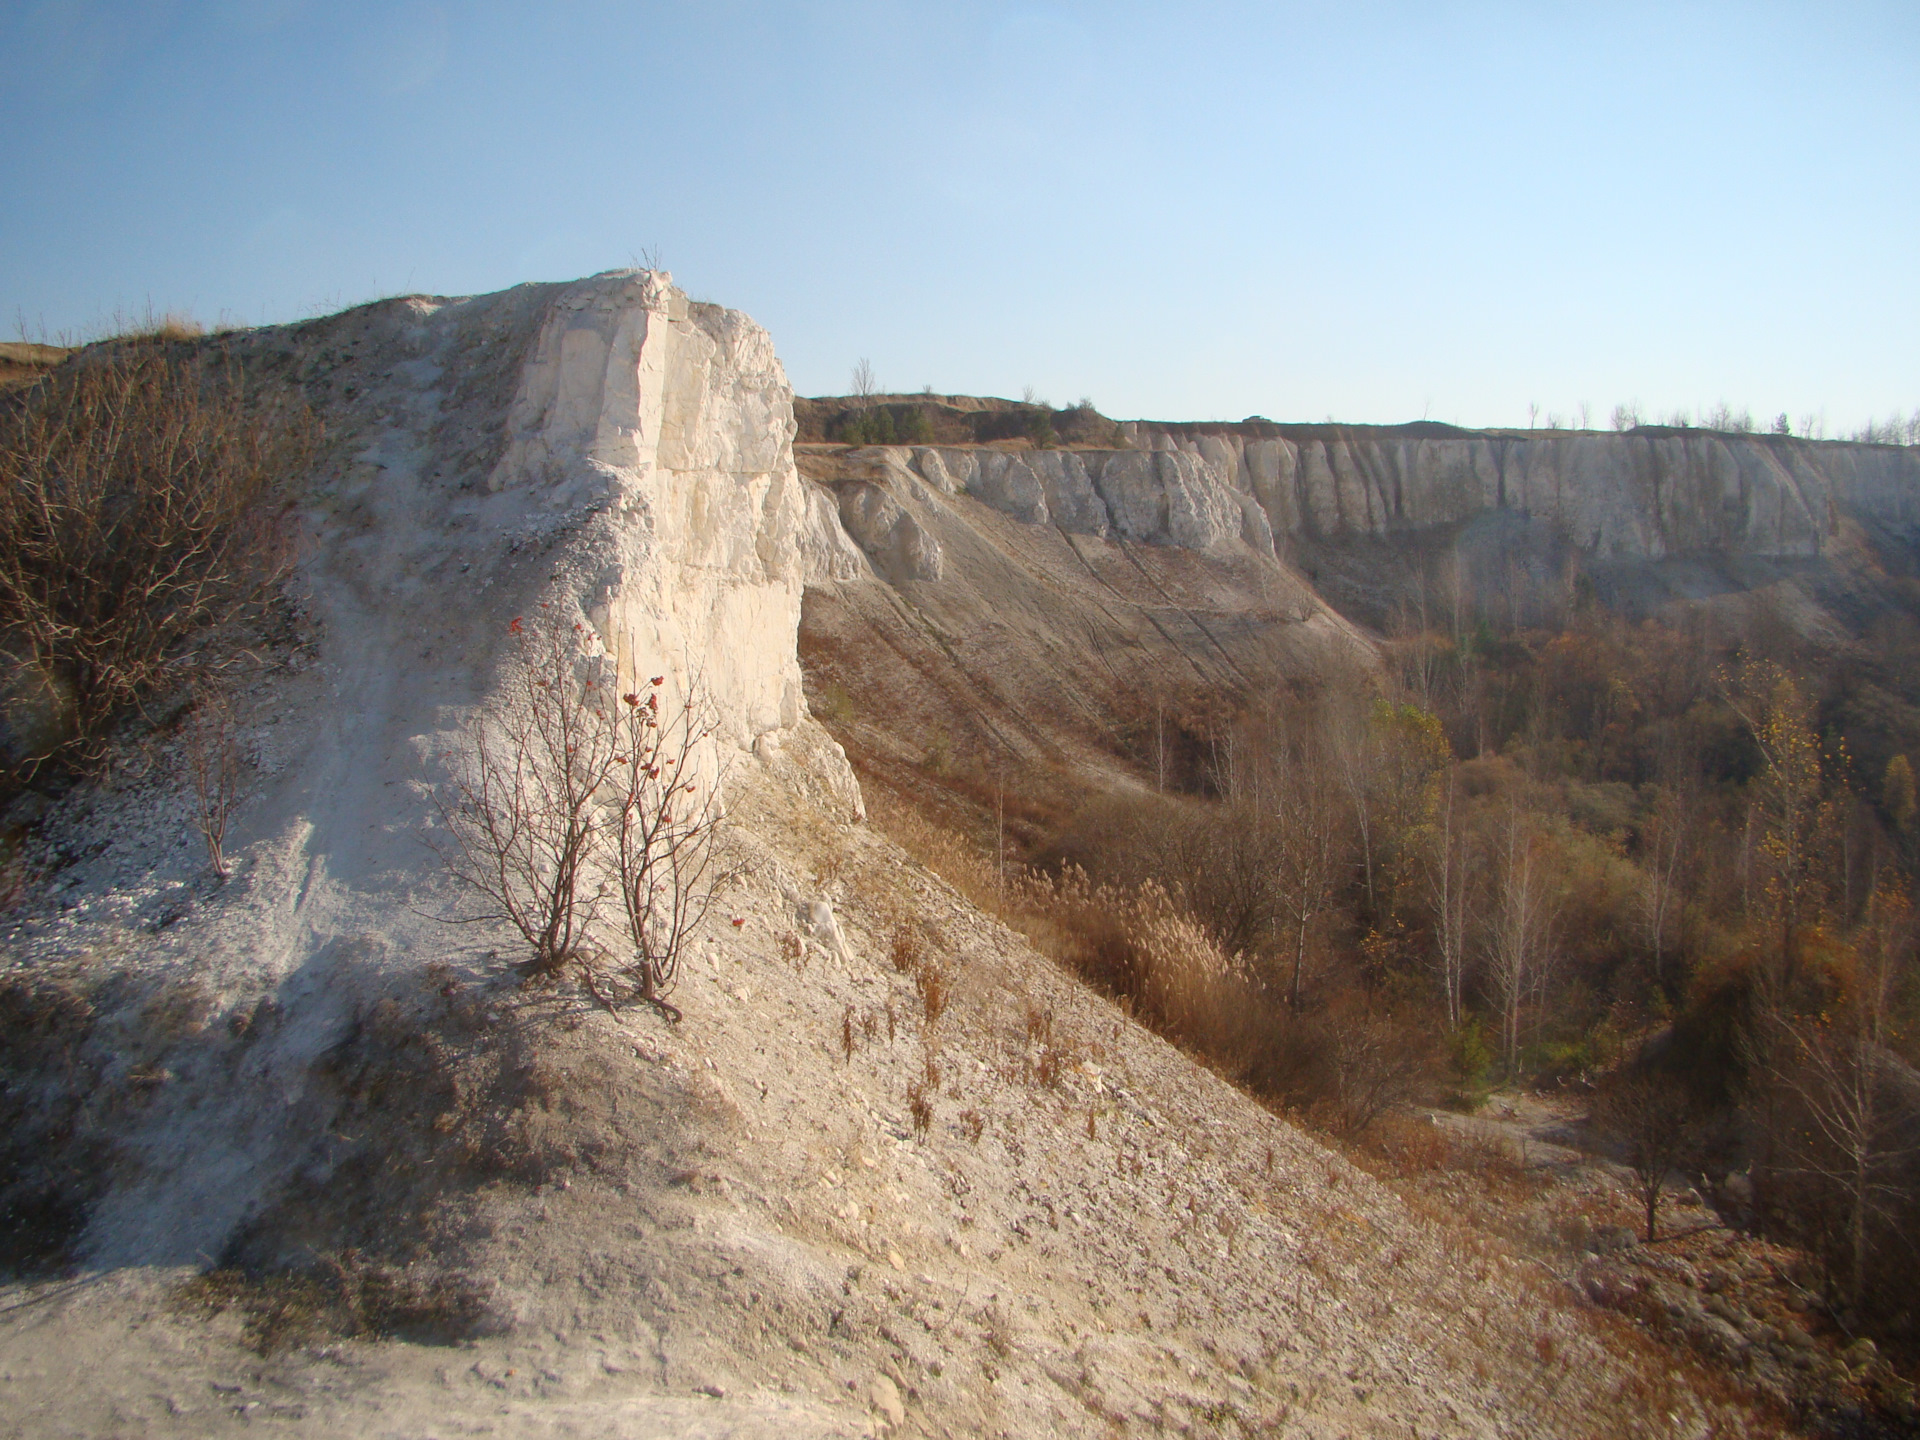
865	385
1844	1135
1651	1123
214	766
1449	873
1520	945
1357	756
1309	851
1665	840
1385	759
522	810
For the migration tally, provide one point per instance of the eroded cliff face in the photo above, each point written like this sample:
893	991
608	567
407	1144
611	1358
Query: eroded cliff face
1645	494
1637	496
1035	614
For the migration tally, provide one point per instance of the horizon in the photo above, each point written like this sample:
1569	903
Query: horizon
1475	215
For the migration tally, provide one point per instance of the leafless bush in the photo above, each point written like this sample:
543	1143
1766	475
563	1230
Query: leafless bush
906	949
663	836
213	764
136	512
522	810
1378	1063
935	988
561	773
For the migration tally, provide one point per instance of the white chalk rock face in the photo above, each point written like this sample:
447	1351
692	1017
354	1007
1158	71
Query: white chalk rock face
933	466
1172	497
1072	502
1624	497
1007	483
827	551
901	549
677	418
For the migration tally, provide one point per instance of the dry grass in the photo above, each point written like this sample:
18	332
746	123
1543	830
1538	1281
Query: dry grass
137	514
156	326
1340	1065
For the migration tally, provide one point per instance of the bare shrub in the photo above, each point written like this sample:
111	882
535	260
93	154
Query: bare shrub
213	765
521	810
136	513
1378	1062
563	771
920	1104
935	988
906	949
664	835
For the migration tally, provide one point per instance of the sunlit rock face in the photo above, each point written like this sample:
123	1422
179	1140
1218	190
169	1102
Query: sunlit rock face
1642	495
1639	496
677	418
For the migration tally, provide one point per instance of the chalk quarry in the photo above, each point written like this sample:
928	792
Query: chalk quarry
586	1223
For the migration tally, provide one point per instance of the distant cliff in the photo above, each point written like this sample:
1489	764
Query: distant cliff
1648	494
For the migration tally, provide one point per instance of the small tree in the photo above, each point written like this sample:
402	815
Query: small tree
1651	1123
522	809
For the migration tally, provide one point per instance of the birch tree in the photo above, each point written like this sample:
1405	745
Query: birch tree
1520	943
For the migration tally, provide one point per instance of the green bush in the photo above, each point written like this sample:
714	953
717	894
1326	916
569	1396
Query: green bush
1471	1059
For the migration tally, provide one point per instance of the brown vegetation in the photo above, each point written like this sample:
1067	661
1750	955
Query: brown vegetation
1587	844
139	516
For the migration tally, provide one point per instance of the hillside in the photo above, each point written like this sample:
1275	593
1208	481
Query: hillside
294	1152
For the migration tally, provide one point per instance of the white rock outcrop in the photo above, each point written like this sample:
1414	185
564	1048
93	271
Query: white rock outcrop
676	420
1631	497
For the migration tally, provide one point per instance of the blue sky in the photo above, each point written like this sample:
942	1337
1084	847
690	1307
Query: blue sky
1372	212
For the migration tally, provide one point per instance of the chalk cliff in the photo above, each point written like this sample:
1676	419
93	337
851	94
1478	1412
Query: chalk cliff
1641	495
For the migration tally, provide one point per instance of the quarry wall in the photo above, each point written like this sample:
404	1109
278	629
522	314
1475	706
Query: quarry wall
1643	495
